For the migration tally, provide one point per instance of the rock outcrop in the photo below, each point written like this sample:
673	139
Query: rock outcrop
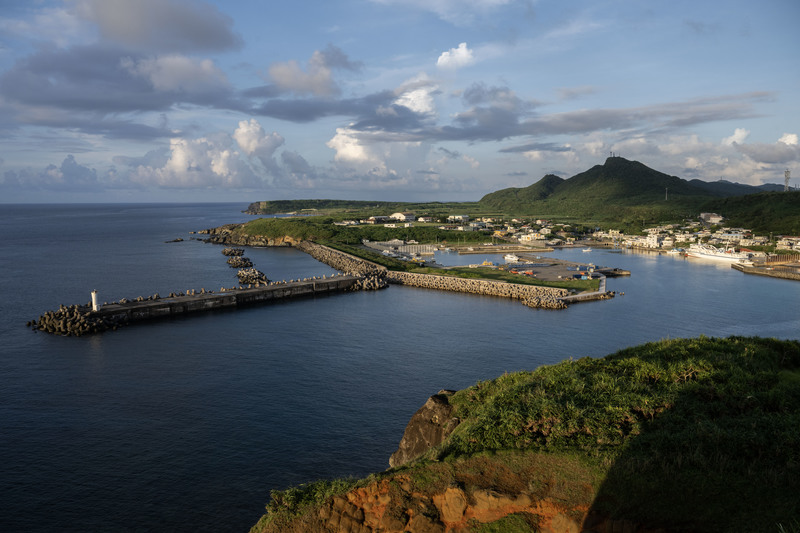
429	426
229	235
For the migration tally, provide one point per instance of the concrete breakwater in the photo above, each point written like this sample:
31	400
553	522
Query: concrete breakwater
78	320
530	295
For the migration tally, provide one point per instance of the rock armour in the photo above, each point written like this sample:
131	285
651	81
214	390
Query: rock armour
530	295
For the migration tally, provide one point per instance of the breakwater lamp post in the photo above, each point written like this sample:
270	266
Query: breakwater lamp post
95	305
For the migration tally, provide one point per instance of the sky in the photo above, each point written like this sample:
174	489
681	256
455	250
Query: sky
399	100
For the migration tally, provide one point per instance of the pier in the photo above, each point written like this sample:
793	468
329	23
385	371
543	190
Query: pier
80	320
181	305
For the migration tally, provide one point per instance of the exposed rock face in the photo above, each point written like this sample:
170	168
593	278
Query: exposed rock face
429	426
226	235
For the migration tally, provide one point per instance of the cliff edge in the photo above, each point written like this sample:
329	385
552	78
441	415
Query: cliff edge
686	435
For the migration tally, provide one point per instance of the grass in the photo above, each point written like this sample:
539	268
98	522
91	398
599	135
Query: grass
689	435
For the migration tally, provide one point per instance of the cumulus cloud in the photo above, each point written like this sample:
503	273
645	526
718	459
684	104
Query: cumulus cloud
253	139
70	176
780	153
198	163
350	150
213	161
161	25
178	73
456	58
317	78
738	137
417	95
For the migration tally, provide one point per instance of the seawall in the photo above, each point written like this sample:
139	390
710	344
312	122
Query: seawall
530	295
782	272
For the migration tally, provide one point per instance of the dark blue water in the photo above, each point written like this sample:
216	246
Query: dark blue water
187	424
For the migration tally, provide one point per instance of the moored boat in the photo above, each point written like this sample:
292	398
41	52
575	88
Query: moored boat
705	251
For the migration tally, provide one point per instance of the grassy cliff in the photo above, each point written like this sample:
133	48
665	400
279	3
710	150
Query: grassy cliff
678	435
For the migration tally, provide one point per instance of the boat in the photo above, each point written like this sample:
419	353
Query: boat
705	251
511	258
675	251
586	250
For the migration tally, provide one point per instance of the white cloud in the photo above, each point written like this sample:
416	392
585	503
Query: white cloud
789	139
199	163
252	138
456	57
178	73
350	150
417	95
738	137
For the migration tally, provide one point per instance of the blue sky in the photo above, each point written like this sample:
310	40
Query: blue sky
188	100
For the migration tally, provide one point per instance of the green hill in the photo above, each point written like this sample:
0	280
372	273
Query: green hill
617	190
777	212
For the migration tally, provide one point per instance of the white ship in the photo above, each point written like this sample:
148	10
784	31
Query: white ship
705	251
511	258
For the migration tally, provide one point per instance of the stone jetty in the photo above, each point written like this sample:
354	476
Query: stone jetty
530	295
358	274
73	321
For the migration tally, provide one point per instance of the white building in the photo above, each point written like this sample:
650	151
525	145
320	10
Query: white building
403	217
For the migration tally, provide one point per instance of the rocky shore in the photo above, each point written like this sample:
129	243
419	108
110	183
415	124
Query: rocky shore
74	321
227	235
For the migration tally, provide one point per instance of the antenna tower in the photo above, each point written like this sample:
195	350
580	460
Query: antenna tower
786	176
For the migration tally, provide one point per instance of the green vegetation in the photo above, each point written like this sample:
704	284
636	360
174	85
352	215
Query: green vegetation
688	434
322	228
777	212
286	504
344	208
620	191
622	194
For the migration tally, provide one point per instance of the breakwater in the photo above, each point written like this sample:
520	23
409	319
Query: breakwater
530	295
781	271
78	320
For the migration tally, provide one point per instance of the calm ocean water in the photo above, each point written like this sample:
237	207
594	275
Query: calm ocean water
187	424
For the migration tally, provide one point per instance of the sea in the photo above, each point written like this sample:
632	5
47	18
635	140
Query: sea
187	424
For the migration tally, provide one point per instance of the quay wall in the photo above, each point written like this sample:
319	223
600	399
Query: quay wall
530	295
775	272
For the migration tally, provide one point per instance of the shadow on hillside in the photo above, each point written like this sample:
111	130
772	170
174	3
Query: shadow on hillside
726	461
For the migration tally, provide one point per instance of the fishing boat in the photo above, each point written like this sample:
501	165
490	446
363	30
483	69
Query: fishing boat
586	250
705	251
511	258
